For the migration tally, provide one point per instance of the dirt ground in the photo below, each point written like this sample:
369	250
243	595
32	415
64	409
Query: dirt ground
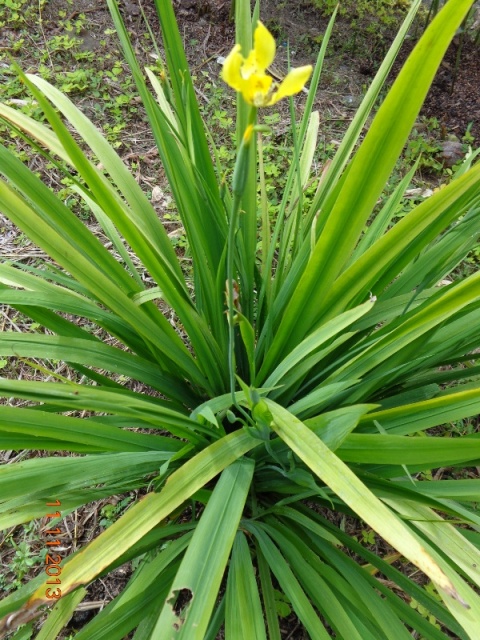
454	98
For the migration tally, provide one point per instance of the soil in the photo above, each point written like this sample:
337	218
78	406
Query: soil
454	100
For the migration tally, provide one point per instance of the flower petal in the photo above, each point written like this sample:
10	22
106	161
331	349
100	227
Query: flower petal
231	68
249	66
264	46
293	83
256	90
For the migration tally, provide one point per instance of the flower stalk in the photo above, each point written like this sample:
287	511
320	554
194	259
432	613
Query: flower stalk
240	174
248	76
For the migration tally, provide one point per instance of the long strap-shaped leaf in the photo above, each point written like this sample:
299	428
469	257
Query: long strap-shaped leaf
365	179
88	433
138	235
61	615
118	403
335	169
157	333
140	226
329	468
93	353
382	262
441	257
419	416
243	613
51	211
186	162
144	216
313	342
37	291
439	536
307	136
148	586
431	452
318	580
25	487
322	529
140	519
288	583
353	133
385	354
183	89
149	542
199	577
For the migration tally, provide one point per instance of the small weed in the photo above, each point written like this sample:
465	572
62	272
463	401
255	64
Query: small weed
370	22
425	142
60	44
368	536
20	556
466	427
111	512
16	14
282	604
430	588
72	26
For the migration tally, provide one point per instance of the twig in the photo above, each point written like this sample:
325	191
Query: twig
207	38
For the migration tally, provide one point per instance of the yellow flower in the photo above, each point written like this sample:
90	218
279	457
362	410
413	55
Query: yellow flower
247	75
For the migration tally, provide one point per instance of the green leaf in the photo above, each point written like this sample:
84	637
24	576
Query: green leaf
337	599
244	617
67	432
194	591
60	615
313	342
463	554
364	181
148	586
269	595
27	485
412	418
110	401
248	337
288	582
349	488
143	516
430	452
334	427
93	353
